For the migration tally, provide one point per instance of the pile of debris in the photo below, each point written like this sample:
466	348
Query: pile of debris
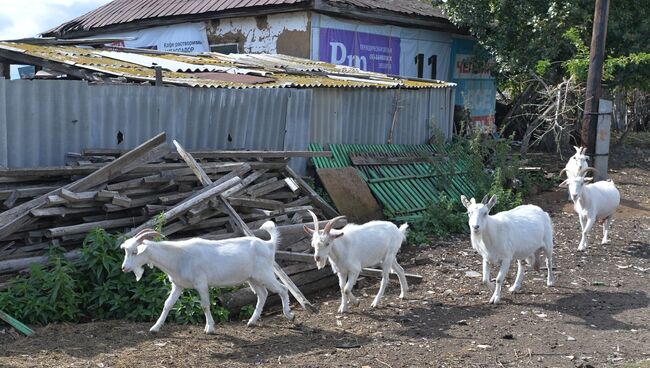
225	194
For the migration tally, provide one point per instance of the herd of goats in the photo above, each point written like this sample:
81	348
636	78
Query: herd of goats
521	233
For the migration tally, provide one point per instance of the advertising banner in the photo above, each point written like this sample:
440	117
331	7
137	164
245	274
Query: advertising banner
185	37
366	51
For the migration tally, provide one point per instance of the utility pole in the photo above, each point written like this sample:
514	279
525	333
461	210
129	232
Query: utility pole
596	58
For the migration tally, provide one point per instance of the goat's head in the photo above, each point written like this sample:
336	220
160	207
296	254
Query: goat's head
478	212
321	240
133	251
576	183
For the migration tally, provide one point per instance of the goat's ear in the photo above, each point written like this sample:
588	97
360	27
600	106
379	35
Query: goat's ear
142	248
307	229
485	199
491	202
464	201
578	149
564	184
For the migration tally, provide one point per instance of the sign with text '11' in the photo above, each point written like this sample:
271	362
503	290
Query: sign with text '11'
366	51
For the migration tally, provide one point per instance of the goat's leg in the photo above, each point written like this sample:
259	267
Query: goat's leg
486	274
404	286
204	293
382	287
503	271
275	286
606	224
352	279
585	233
520	277
343	279
550	279
262	293
169	303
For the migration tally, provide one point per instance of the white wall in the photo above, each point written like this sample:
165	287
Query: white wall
260	34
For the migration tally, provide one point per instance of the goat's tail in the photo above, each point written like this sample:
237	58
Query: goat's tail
403	229
270	228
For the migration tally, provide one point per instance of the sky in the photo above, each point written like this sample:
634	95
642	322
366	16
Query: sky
28	18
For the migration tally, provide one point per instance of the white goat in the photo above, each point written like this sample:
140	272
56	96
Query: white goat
576	162
355	247
592	202
199	264
520	233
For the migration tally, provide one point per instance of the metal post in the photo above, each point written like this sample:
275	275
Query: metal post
159	76
5	69
596	57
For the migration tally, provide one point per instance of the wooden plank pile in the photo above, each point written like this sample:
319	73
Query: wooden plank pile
212	194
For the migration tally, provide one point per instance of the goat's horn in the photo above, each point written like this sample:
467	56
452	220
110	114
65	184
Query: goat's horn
140	236
143	231
330	223
562	172
313	216
583	172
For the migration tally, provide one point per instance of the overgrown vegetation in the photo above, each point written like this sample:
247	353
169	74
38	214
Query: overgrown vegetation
94	287
494	170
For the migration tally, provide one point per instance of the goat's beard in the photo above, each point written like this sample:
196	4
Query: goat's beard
321	264
138	271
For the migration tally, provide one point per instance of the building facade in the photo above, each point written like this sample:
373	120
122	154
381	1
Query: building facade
406	38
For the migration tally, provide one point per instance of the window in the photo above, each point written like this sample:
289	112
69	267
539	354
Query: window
225	48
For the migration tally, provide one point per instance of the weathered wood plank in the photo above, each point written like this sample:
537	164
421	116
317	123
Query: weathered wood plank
178	210
324	206
56	232
15	218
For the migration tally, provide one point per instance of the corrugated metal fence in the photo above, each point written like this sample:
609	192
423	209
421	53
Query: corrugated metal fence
42	120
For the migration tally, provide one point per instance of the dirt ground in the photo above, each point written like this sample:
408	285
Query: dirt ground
597	315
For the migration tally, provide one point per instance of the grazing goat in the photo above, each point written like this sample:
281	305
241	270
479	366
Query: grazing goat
199	264
592	202
354	247
520	233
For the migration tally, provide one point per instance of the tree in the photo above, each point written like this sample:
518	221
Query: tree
542	46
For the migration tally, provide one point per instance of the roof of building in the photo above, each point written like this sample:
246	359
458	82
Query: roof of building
203	70
120	13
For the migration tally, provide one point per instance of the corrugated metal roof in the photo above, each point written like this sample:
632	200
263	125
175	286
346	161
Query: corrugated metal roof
181	69
127	11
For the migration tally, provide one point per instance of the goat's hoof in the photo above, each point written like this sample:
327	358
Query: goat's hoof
251	323
550	283
494	300
402	296
514	288
582	248
375	305
209	330
356	302
154	329
605	241
290	316
342	310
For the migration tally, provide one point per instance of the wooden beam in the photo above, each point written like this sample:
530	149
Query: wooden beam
57	232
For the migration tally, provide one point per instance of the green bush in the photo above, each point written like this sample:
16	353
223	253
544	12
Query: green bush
492	169
94	288
44	295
